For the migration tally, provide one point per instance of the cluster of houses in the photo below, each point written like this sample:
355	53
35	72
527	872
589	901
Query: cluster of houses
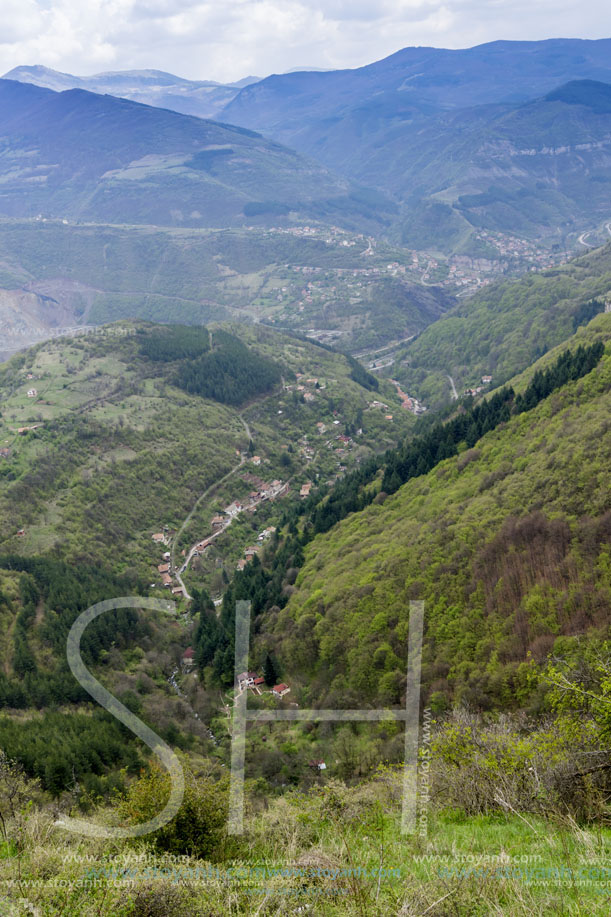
165	572
477	390
256	682
304	386
409	403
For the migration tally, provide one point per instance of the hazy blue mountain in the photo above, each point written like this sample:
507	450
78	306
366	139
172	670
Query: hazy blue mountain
309	109
204	98
78	155
527	167
535	169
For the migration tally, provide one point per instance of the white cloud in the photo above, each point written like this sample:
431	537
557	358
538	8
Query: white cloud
228	39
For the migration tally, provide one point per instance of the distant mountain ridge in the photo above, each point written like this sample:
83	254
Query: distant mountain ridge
203	98
430	126
301	108
79	155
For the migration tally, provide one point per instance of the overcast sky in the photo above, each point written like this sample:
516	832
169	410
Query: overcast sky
229	39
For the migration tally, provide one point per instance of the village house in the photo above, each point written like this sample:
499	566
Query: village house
32	393
233	509
251	551
246	679
159	538
217	522
280	690
256	460
164	568
176	590
4	453
21	533
258	682
167	556
166	579
486	380
188	657
305	489
240	564
266	533
318	765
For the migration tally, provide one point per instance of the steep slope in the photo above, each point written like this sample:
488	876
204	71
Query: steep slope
202	98
507	326
508	545
77	155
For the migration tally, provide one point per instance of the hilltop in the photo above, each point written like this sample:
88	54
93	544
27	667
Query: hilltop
111	435
353	290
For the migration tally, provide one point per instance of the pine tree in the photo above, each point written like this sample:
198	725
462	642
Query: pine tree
269	671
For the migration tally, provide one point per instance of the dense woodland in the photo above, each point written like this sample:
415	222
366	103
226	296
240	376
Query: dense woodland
268	584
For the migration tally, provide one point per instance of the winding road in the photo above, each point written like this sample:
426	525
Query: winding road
582	239
194	509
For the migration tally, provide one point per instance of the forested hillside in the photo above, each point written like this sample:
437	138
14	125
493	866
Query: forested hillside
505	328
507	543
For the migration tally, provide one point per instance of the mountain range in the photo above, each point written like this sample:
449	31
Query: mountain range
458	138
510	137
203	98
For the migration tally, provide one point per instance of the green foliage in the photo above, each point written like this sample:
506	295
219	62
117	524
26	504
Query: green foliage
62	750
506	327
199	829
230	373
506	543
176	342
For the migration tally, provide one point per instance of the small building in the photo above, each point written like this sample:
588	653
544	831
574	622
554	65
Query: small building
159	538
305	489
258	682
217	522
486	380
188	657
256	459
251	551
166	579
280	690
233	509
167	556
164	568
240	564
21	533
318	765
32	393
176	590
246	679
